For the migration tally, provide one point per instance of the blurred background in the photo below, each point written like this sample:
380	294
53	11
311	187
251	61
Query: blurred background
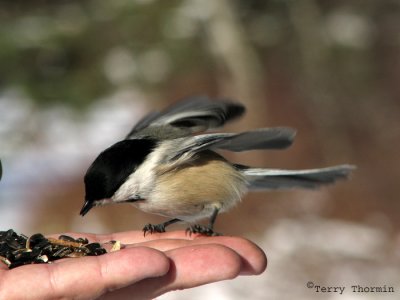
75	76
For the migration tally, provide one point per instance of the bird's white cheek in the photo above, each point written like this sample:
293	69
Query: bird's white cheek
128	190
103	202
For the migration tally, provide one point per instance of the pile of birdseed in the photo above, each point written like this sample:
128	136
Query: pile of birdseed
18	250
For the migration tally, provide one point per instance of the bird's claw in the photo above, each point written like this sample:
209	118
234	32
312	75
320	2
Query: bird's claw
201	229
153	228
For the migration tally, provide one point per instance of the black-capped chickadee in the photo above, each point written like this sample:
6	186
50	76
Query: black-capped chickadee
163	167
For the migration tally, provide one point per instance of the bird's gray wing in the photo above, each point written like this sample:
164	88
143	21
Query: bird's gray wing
263	138
192	115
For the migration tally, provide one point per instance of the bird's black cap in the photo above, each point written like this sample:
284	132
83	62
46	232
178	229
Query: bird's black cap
112	167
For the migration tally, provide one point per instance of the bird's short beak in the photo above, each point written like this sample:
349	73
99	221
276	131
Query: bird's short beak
86	207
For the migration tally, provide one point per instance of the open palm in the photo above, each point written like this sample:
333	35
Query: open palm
146	268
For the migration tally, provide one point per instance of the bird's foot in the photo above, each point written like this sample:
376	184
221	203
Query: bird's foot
201	229
152	228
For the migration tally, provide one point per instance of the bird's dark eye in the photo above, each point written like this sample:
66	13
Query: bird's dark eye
114	165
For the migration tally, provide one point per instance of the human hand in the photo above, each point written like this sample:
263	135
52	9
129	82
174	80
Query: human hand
146	268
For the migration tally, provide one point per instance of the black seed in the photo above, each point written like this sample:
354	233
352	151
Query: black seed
67	238
100	251
63	252
95	249
16	264
42	244
13	243
92	246
25	256
36	239
82	240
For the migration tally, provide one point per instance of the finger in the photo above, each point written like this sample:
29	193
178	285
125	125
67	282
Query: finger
129	237
87	277
191	266
254	260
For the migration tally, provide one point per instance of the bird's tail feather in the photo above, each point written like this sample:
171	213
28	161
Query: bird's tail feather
270	179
